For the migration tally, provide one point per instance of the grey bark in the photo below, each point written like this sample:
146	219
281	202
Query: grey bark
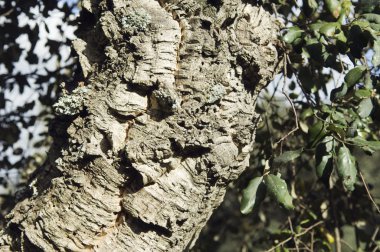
145	148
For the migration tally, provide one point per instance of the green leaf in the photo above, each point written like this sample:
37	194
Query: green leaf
307	78
278	190
346	168
329	29
368	5
312	4
368	81
375	27
316	133
354	75
324	158
373	18
376	55
316	50
326	109
341	37
334	7
365	108
340	130
339	118
2	100
370	146
9	133
324	165
292	34
287	156
363	93
339	92
363	24
253	195
316	26
306	113
293	96
346	6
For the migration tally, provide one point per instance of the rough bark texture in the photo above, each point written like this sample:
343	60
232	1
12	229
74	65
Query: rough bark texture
145	147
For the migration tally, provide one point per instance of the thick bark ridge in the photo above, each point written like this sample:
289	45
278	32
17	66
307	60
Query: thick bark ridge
145	148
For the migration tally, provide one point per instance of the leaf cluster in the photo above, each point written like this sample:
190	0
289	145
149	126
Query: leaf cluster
331	77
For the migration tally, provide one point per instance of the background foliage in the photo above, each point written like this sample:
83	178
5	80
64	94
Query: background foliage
307	187
34	58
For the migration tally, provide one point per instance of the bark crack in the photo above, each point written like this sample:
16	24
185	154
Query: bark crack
139	226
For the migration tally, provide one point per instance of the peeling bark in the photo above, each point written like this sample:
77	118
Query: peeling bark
166	121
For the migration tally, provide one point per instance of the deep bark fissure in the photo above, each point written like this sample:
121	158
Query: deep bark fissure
139	226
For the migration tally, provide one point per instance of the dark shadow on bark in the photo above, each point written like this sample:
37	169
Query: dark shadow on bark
192	151
134	182
139	226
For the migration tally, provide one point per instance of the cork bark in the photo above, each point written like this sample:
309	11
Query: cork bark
145	147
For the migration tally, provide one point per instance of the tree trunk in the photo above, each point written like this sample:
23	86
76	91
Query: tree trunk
145	147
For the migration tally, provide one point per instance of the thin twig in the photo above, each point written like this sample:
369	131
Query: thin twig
296	235
373	237
347	244
338	245
7	13
305	246
291	229
342	72
307	96
275	91
274	10
291	103
302	249
368	193
268	128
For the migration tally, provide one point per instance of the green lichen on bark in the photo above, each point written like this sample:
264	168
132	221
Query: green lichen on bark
137	19
70	104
